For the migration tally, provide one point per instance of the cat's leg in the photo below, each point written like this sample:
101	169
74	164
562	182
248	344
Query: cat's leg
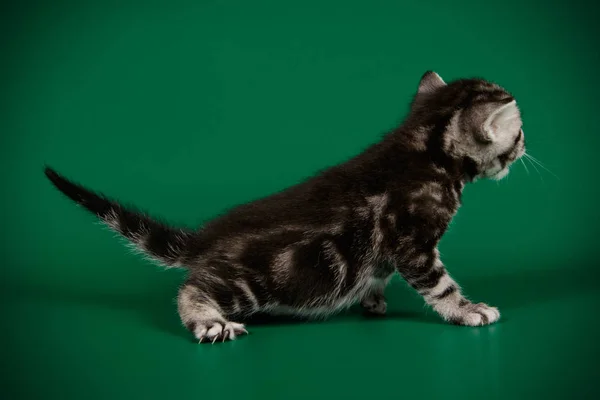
203	309
427	274
374	301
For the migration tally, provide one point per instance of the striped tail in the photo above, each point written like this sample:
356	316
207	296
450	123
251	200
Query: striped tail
162	243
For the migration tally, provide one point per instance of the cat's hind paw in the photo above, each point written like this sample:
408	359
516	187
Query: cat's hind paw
214	331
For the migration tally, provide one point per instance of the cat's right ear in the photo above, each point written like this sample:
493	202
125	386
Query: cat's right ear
430	82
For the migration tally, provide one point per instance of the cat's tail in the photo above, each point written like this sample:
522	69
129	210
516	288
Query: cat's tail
162	243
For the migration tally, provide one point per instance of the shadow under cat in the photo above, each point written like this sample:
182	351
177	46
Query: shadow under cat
509	291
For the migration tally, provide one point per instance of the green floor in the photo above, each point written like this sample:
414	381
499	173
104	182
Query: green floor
186	109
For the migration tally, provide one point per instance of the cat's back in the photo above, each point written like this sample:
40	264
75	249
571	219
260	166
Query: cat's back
381	179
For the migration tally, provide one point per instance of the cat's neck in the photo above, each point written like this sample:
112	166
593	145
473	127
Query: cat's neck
422	152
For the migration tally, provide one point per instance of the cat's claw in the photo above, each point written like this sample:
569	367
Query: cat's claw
214	331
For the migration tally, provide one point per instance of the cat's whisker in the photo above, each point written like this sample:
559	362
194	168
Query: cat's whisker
538	162
523	162
536	169
532	158
544	167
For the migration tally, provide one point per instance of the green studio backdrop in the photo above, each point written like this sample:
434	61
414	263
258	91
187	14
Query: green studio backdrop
188	108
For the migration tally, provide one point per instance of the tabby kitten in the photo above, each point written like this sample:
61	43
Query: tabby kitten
338	237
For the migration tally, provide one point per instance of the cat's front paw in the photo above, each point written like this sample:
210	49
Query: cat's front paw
470	314
374	304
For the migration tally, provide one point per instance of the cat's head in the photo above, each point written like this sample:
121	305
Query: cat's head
479	122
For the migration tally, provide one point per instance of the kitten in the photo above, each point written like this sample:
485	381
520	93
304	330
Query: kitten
338	237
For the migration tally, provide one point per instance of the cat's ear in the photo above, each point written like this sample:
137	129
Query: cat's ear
501	118
430	82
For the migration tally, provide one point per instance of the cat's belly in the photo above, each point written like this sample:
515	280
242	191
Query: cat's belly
329	305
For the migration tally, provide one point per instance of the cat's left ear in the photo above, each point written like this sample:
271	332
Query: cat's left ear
430	82
500	119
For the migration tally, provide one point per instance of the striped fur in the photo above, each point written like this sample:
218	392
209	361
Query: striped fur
337	238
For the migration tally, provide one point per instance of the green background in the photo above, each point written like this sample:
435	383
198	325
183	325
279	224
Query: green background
186	109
